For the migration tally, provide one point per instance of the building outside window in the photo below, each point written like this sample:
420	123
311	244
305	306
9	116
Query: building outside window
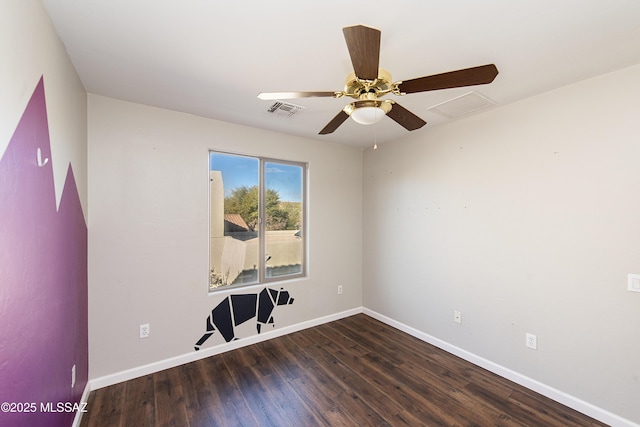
256	224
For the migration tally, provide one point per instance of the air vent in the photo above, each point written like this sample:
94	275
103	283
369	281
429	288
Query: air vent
284	109
464	104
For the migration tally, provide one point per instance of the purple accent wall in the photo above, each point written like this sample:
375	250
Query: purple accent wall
43	278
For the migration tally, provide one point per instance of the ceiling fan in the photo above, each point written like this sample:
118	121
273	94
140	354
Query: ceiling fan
368	83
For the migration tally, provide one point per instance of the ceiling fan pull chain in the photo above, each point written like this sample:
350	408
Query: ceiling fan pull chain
375	132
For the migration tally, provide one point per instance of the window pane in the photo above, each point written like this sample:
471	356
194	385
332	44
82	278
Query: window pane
233	223
283	209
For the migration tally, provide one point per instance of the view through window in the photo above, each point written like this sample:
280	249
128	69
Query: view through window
256	220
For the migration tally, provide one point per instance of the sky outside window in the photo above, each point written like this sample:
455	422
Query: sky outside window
238	171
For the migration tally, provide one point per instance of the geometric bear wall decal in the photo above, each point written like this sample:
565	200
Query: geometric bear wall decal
237	309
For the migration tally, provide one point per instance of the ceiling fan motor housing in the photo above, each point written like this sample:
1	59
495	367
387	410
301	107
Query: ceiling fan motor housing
355	87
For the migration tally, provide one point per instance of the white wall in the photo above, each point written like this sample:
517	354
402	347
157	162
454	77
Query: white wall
148	229
30	50
525	218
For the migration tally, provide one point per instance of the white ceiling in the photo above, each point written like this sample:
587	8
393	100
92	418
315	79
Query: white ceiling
211	58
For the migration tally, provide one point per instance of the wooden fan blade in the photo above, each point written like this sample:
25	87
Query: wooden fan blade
405	118
364	48
466	77
334	123
290	95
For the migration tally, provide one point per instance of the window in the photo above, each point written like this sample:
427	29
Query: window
256	220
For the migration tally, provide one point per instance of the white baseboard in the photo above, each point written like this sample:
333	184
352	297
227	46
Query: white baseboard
83	400
140	371
545	390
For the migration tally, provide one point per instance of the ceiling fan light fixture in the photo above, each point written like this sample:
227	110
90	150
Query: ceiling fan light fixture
368	112
367	115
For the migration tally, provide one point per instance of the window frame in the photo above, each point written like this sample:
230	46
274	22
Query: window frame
262	224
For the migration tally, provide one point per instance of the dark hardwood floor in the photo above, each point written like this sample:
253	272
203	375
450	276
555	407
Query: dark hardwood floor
352	372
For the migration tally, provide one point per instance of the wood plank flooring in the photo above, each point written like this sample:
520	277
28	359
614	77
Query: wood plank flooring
352	372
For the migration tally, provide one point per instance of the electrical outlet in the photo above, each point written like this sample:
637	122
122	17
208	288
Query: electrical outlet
532	341
73	376
634	283
339	289
144	330
457	316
